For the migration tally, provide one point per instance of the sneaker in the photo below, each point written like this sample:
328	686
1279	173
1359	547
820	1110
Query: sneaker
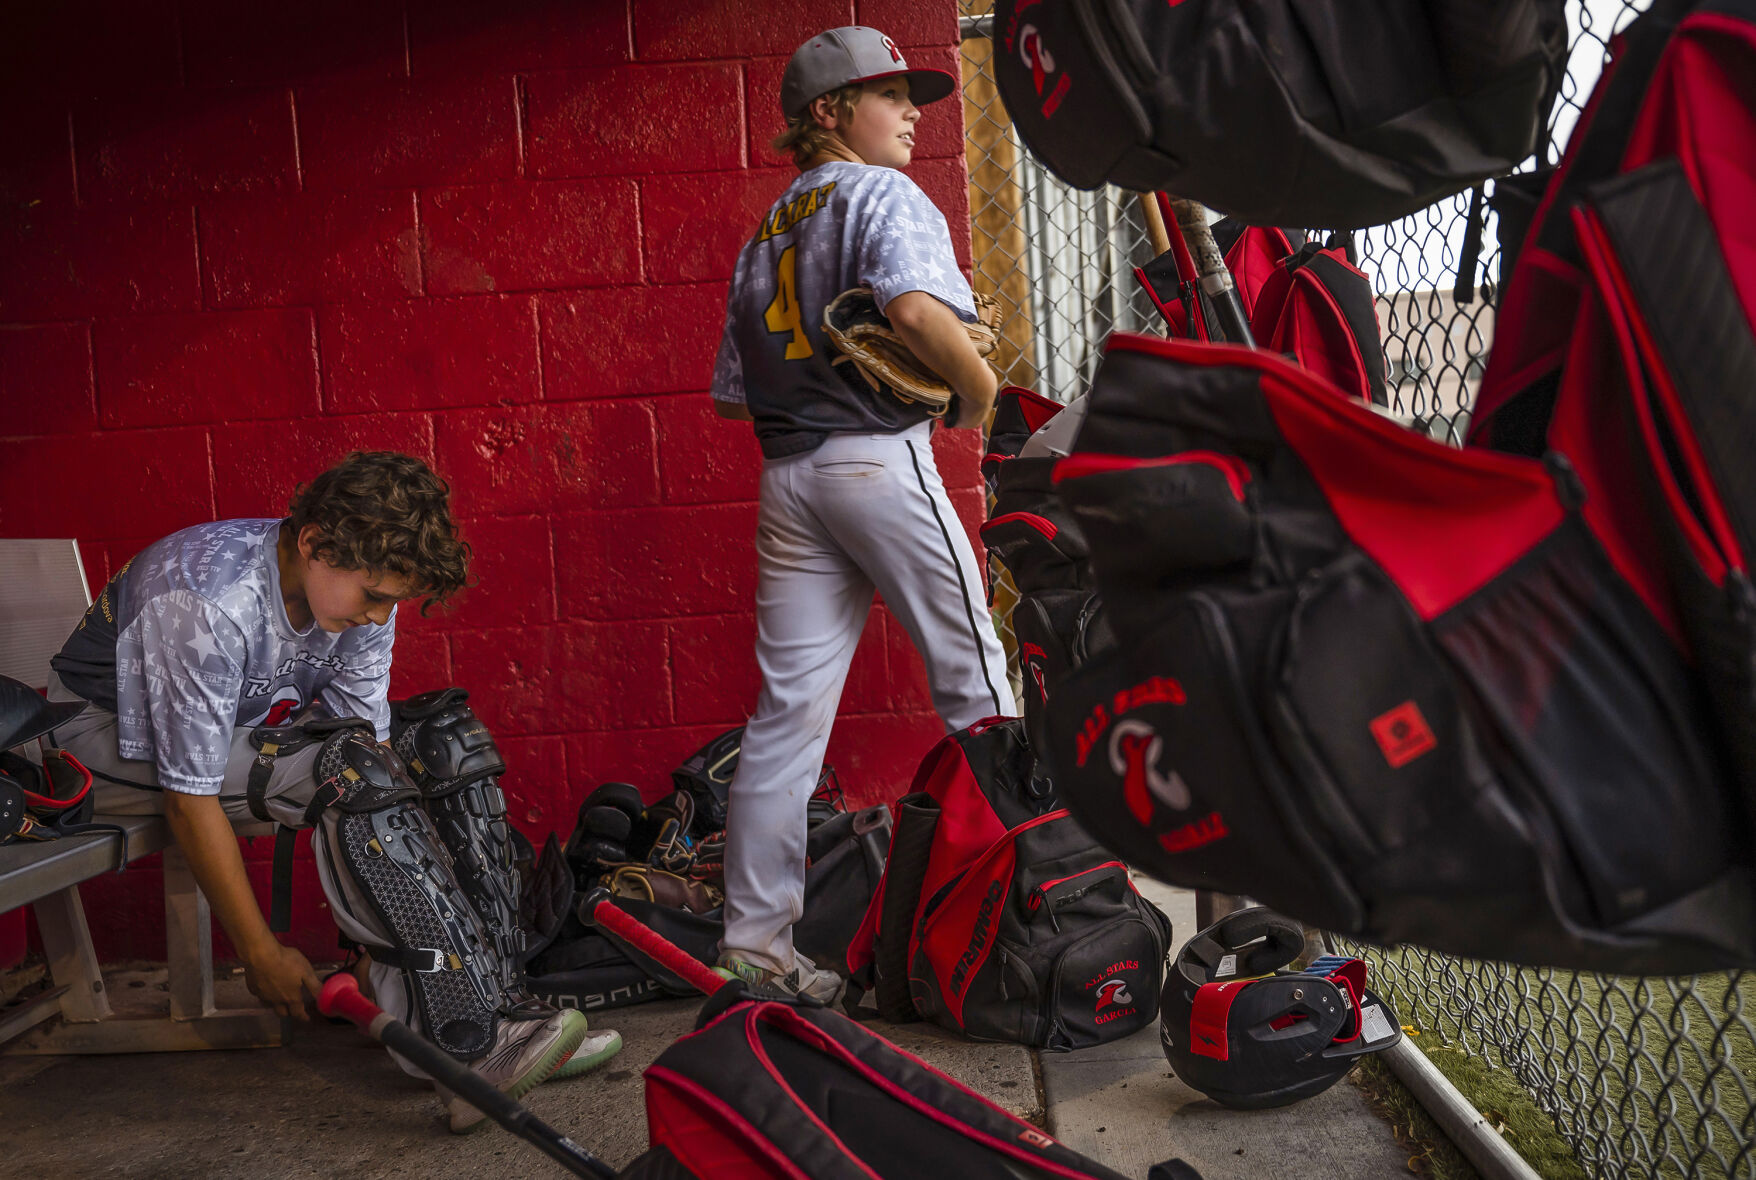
597	1048
804	981
525	1052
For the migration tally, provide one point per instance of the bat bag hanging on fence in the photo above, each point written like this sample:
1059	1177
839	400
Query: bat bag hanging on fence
1501	700
1282	112
1303	299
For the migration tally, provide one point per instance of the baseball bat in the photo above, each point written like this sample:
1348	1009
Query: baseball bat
641	940
1231	325
341	997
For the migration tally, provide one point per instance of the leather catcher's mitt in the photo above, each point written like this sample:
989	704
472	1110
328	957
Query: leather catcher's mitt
878	354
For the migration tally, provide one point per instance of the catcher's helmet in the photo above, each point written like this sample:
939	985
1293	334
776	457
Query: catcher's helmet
1256	1042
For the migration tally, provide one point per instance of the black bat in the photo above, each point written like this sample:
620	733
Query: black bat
341	997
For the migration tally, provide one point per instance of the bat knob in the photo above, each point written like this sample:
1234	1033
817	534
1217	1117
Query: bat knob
587	907
341	997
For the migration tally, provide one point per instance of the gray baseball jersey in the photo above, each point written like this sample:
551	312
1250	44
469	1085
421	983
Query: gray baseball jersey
190	639
837	226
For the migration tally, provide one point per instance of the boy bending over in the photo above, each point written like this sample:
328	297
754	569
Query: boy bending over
241	670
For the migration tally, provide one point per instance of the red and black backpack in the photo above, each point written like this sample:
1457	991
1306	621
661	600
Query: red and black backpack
1304	299
1498	700
999	916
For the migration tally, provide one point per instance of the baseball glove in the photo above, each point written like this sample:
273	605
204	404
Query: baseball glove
869	344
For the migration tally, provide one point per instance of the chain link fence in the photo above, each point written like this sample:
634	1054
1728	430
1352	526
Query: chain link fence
1641	1076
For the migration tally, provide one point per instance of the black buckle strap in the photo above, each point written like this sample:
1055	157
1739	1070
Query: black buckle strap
256	787
280	904
422	959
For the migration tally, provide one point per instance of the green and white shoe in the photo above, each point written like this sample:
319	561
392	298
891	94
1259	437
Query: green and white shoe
803	981
525	1053
597	1048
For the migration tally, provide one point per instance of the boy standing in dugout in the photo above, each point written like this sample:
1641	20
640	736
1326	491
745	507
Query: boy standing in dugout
241	669
851	499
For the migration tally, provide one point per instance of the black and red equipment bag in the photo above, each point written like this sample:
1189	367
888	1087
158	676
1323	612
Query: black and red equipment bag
1058	618
999	917
1332	113
766	1089
1304	299
1497	700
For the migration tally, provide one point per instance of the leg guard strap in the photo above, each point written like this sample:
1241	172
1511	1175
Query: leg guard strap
271	742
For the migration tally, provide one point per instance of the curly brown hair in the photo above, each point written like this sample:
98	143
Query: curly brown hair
804	138
386	512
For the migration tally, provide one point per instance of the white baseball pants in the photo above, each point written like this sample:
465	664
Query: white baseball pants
862	512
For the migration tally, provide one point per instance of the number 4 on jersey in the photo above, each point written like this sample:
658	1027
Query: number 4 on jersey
783	314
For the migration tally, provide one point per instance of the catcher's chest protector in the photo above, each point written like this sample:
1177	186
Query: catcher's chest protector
770	1090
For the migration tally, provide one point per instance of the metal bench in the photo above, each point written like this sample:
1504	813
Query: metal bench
46	877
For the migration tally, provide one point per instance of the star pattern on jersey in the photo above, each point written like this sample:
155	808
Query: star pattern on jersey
203	645
199	626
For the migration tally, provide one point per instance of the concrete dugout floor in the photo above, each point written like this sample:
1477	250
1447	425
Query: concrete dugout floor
332	1103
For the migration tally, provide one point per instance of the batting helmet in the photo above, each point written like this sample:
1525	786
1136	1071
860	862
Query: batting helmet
1250	1042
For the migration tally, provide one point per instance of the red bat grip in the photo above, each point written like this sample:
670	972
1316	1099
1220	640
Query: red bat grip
679	962
341	996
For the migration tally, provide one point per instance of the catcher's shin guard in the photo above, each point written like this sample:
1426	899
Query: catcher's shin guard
389	847
453	760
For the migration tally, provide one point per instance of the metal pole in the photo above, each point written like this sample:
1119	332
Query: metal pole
1462	1123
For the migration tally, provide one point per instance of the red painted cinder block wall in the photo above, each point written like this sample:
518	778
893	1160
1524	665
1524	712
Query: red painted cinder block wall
239	239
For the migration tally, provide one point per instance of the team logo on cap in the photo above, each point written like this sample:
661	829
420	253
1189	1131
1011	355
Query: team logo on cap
895	53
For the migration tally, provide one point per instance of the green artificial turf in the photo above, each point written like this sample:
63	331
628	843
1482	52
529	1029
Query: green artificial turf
1649	1077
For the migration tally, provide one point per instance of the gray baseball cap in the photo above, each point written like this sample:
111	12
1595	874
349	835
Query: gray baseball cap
854	53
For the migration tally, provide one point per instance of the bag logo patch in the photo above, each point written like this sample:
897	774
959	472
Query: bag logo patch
1113	992
1035	1138
1134	752
1114	997
1403	734
1034	657
1041	64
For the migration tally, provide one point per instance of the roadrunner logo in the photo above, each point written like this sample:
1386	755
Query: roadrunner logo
1134	753
1113	1002
1027	41
1113	992
1034	658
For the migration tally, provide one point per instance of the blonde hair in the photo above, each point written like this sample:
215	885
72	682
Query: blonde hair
804	138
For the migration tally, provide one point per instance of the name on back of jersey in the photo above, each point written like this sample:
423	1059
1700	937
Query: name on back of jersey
785	217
